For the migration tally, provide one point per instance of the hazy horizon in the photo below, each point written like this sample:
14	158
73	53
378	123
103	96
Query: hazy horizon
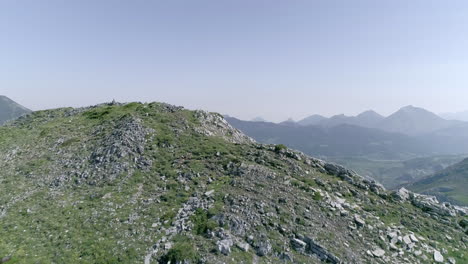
243	58
258	116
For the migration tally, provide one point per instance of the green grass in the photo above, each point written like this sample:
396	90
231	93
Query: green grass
112	221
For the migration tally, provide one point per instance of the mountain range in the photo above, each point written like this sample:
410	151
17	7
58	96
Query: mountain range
10	110
408	120
396	150
409	132
340	140
156	183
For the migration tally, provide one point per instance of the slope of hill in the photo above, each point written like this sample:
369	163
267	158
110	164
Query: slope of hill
154	183
10	110
451	184
393	159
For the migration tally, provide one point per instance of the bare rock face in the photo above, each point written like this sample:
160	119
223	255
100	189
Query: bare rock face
402	194
212	124
126	142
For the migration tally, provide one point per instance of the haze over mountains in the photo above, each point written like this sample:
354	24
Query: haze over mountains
407	120
10	110
463	116
406	146
405	133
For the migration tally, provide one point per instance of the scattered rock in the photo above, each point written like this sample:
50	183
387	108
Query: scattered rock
359	221
438	257
402	194
209	193
5	259
298	245
224	246
243	246
378	253
407	240
263	248
318	250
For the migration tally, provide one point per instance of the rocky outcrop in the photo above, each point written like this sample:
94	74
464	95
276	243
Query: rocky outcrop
314	248
429	204
213	124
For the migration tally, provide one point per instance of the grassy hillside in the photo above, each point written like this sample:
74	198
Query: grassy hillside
154	183
449	185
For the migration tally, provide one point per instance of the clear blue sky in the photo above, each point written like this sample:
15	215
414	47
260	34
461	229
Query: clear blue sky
245	58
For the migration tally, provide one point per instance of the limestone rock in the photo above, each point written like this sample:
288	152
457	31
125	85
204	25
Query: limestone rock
378	253
359	221
438	257
224	246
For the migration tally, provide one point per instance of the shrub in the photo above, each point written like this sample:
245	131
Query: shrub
182	251
202	223
279	148
317	196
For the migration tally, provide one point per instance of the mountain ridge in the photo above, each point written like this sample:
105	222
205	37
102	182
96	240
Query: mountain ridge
407	120
155	183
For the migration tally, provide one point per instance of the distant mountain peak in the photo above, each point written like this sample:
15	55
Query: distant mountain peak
409	107
370	113
414	120
311	120
412	110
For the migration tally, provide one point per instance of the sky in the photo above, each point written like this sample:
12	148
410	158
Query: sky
245	58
